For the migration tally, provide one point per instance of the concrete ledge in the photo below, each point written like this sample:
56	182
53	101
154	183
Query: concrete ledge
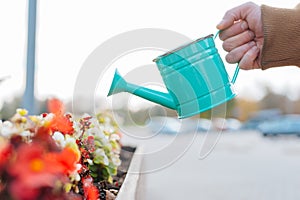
130	185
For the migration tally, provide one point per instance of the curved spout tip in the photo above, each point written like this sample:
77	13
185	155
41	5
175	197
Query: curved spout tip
118	84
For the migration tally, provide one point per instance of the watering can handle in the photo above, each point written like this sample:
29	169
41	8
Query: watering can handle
237	69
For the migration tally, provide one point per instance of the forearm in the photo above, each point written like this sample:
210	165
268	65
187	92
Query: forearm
281	37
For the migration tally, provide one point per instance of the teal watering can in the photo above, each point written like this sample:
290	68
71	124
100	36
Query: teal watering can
194	75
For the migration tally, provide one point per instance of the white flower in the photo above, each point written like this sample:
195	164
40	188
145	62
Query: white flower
100	152
59	138
93	131
85	115
78	166
90	161
77	131
107	120
70	140
116	160
109	129
49	117
115	137
94	121
25	134
75	176
7	128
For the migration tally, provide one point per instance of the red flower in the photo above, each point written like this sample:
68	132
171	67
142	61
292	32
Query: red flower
21	191
56	106
64	162
34	168
5	152
62	124
30	171
90	143
90	191
31	167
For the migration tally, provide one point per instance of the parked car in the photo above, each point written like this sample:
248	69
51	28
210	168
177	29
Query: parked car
260	117
203	125
233	124
252	124
285	124
166	125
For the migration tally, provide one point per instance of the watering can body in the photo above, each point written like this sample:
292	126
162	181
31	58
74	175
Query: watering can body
194	75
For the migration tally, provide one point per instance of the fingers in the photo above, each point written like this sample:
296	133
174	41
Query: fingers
237	54
238	30
230	17
235	29
235	14
238	40
249	59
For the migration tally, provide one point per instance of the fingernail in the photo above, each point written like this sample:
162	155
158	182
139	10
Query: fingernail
251	35
256	48
244	25
252	43
220	23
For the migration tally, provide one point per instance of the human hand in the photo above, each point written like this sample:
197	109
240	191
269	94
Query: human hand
242	33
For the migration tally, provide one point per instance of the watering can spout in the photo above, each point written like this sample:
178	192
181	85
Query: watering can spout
119	84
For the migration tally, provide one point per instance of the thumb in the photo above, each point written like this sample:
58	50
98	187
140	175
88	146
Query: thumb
232	16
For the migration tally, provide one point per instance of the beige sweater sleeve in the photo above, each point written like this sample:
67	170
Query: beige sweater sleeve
281	37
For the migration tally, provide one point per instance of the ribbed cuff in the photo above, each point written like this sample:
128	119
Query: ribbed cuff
281	37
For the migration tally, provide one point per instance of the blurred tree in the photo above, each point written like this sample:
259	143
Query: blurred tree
296	106
230	110
272	100
245	108
9	108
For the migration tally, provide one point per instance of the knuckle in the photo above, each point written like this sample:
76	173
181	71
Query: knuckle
230	15
250	3
227	13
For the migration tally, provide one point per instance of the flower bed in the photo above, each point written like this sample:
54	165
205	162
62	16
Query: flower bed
53	156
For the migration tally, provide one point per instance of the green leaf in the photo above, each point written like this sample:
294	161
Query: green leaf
98	143
94	174
98	160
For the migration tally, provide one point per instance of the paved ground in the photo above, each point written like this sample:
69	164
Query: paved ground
242	166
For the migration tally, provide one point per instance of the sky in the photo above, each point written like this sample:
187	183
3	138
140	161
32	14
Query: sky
68	31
